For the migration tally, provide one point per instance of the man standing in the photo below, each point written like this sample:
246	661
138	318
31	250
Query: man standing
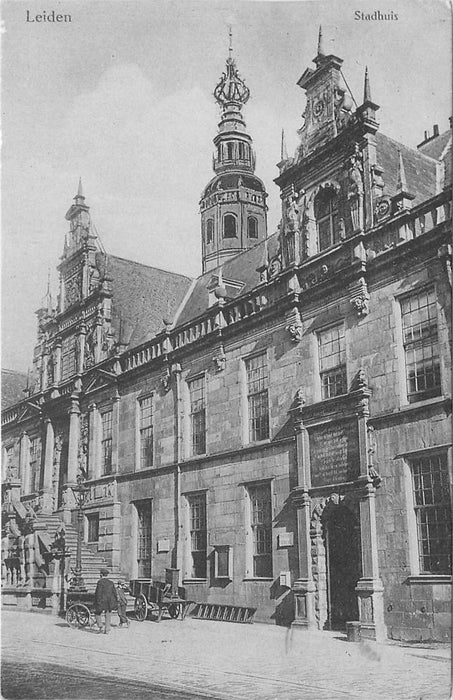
105	600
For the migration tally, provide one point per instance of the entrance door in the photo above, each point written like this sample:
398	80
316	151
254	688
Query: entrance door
144	544
343	566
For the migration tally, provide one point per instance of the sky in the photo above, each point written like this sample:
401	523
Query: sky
121	96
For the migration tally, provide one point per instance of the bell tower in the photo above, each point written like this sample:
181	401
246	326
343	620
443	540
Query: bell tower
233	205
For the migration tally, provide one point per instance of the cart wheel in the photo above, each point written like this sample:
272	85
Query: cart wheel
78	615
141	607
173	610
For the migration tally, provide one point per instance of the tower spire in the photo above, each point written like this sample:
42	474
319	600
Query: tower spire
366	87
401	185
283	149
320	43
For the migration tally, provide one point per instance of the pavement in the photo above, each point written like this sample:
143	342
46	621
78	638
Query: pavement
208	659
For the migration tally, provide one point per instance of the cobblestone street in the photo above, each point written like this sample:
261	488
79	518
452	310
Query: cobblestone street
201	659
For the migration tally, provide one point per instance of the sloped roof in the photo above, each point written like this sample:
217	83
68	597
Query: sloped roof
439	147
13	385
241	269
142	297
420	169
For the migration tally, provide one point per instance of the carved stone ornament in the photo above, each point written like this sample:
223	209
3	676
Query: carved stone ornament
219	362
165	380
295	329
360	298
275	267
299	398
382	208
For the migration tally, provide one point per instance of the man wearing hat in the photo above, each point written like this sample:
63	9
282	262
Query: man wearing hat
105	600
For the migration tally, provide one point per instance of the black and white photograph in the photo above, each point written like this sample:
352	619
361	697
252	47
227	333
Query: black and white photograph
226	350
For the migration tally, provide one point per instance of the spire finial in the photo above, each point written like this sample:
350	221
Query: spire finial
366	87
231	89
401	184
80	189
283	150
320	43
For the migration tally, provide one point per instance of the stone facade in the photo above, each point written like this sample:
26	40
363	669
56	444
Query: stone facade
269	438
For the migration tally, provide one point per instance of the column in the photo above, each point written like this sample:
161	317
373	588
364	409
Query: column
93	469
369	587
47	499
115	431
303	587
24	455
80	345
74	435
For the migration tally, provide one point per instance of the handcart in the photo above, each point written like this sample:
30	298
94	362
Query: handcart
159	598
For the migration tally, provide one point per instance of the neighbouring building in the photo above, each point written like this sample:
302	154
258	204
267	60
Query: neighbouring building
277	429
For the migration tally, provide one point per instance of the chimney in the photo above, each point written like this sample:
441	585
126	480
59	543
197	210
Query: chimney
450	119
426	137
436	130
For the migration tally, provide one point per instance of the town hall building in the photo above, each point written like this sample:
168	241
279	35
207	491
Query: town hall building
278	429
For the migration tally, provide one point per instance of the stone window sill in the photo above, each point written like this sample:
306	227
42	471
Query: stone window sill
429	578
188	581
258	578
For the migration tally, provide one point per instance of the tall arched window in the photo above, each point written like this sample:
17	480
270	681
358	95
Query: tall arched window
326	214
230	152
252	227
209	230
229	226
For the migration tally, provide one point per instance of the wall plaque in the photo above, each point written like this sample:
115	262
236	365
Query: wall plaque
334	453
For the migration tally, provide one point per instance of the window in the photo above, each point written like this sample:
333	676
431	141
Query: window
332	361
223	561
209	231
326	214
198	535
421	348
198	415
68	358
93	527
230	150
144	538
229	226
252	227
257	397
145	407
432	513
106	442
261	525
35	464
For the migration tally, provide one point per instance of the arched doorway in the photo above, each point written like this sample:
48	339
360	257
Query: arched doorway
343	564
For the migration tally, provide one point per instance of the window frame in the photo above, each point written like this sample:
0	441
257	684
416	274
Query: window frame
250	396
195	415
141	429
34	463
209	230
201	560
415	511
106	442
90	519
337	372
329	196
252	528
249	220
233	217
412	345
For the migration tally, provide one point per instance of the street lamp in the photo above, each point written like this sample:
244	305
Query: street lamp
80	493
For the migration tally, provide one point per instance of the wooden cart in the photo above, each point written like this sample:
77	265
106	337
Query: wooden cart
158	597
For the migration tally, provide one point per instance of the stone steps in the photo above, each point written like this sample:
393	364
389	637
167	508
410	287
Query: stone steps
91	562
